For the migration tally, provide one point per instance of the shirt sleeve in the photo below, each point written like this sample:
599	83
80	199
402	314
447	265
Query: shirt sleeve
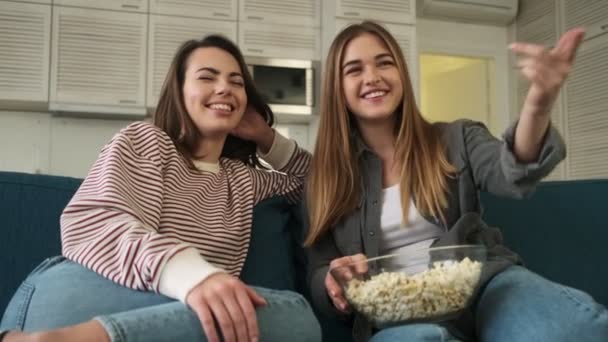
291	164
111	224
495	167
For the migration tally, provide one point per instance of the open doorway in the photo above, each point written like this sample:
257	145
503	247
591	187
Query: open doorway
455	87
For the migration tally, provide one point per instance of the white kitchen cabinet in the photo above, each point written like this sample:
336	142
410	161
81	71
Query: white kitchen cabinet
291	12
584	13
279	41
98	61
46	2
393	11
586	95
213	9
24	51
166	34
119	5
537	24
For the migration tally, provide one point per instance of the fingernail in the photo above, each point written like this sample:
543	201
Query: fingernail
254	339
332	293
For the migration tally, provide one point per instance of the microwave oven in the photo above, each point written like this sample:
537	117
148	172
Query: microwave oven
287	85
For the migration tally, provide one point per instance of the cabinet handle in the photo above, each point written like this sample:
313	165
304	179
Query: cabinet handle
218	14
130	6
255	50
352	14
126	101
252	17
604	27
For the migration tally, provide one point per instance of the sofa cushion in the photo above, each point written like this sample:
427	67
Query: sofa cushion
29	222
561	232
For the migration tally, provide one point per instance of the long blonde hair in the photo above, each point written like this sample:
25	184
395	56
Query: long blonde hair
334	185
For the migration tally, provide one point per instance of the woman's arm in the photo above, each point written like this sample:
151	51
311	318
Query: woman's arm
111	223
547	71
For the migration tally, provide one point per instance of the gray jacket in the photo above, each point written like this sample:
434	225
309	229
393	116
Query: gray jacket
482	163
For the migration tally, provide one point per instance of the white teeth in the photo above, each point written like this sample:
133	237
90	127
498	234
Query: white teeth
221	106
374	94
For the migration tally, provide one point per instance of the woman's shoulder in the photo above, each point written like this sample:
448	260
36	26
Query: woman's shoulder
460	130
144	138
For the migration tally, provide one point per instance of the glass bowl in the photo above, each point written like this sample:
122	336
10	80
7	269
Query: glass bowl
423	285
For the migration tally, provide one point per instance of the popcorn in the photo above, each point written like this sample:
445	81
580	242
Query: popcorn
392	297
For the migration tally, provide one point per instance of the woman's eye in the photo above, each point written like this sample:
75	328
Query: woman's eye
385	63
238	83
352	71
207	78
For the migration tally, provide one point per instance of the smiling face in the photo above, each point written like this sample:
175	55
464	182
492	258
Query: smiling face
371	80
214	91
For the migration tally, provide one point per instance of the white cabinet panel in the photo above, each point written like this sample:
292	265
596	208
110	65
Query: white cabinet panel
120	5
587	111
292	12
46	2
24	142
395	11
279	41
213	9
98	61
76	143
24	51
537	24
166	35
585	13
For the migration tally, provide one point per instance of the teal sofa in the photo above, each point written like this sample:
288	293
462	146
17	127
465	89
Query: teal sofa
560	232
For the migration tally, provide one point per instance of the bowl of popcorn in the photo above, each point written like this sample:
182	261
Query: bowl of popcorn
423	285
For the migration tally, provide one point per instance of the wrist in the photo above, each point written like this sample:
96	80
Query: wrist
265	140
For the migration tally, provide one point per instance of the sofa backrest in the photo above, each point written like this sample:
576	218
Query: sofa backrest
561	232
30	207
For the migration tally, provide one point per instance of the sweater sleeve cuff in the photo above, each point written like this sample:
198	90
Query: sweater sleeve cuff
183	272
280	152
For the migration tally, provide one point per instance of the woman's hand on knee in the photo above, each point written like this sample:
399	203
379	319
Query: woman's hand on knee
334	290
227	300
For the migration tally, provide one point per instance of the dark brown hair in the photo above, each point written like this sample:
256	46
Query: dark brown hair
171	115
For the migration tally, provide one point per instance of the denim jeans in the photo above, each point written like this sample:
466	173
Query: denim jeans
60	293
518	305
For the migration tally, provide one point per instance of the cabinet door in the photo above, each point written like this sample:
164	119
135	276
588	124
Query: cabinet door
24	51
292	12
394	11
585	13
119	5
213	9
46	2
586	95
98	61
166	35
280	41
536	23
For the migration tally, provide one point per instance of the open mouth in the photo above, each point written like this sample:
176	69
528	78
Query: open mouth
374	94
224	107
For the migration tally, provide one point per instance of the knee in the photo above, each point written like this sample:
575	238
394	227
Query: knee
288	317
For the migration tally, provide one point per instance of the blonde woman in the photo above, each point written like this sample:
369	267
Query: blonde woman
384	180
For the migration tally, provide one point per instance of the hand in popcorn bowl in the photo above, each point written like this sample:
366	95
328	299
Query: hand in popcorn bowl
430	285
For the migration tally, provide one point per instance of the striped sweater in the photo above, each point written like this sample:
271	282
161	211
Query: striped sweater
145	220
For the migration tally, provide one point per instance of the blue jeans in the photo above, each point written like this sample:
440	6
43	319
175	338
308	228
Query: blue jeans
518	305
60	293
